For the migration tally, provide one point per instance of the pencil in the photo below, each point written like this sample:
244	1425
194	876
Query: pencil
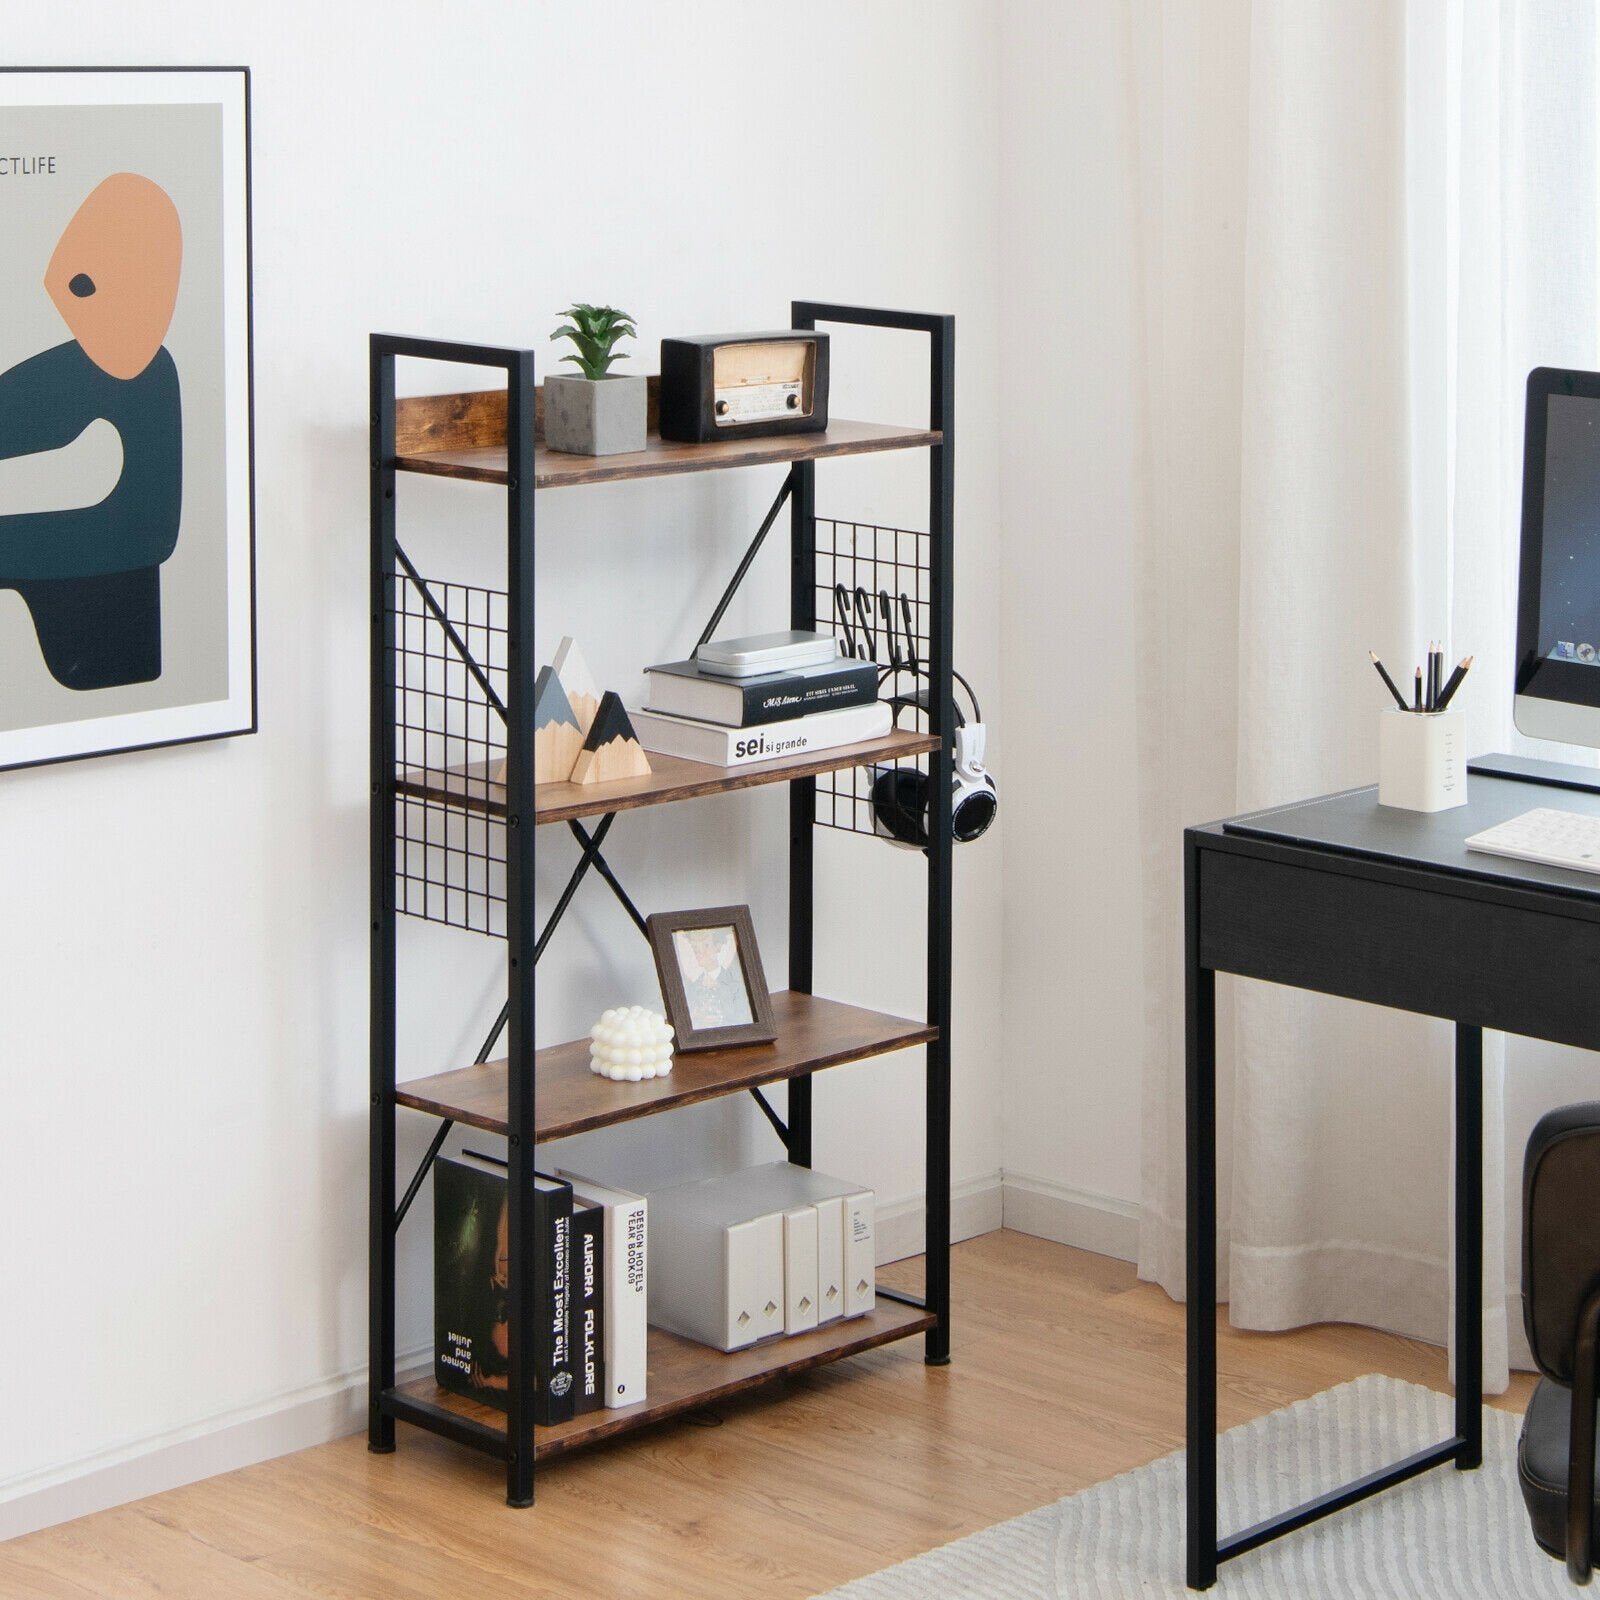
1462	668
1416	693
1388	682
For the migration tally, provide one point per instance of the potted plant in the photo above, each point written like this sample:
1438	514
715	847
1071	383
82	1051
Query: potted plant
601	413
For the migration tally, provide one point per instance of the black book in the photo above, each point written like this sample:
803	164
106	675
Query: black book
588	1303
684	689
472	1282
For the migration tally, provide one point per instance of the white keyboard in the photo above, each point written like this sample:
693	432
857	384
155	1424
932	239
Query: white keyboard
1554	838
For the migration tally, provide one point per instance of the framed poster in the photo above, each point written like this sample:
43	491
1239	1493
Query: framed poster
127	504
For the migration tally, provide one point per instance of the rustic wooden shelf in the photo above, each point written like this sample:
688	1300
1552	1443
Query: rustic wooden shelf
683	1375
812	1034
463	436
671	778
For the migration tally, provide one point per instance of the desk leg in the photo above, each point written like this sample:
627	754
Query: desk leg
1200	1239
1469	1245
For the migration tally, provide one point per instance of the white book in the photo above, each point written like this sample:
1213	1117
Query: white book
720	746
716	1270
857	1261
626	1268
686	689
799	1269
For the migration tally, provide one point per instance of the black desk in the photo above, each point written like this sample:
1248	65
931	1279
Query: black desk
1345	897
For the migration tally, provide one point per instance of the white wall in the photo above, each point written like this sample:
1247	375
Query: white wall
184	942
1070	508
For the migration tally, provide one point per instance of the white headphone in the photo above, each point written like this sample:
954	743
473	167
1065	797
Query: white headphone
900	794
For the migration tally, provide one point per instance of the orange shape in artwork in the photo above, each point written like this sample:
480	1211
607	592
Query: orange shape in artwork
114	274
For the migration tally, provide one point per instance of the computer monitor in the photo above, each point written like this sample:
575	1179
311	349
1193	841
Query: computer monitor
1558	592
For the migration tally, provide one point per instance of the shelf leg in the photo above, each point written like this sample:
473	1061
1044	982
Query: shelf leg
1200	1214
381	1131
1469	1245
519	1479
941	721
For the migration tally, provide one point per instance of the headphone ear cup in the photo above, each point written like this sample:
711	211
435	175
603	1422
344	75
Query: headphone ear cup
900	805
972	807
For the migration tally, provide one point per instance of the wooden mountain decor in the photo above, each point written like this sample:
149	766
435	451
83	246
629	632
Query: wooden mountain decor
557	738
612	749
578	682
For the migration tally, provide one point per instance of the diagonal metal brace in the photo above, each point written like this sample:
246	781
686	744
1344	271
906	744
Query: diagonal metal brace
421	1172
457	643
448	1123
592	857
749	556
771	1115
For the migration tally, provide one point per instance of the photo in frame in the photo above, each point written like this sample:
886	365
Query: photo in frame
712	984
127	604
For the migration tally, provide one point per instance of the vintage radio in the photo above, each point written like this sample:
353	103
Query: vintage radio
720	385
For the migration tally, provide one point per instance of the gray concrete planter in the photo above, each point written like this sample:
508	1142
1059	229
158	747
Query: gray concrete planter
594	416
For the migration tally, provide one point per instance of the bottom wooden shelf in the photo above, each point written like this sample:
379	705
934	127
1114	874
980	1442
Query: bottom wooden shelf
683	1375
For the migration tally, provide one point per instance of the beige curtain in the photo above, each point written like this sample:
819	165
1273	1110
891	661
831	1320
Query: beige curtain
1351	212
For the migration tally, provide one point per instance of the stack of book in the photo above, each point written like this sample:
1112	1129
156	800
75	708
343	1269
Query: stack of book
739	701
589	1344
728	1261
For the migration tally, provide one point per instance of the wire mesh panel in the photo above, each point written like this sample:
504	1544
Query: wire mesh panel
450	746
873	590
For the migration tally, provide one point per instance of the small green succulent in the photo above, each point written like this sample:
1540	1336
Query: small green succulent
595	330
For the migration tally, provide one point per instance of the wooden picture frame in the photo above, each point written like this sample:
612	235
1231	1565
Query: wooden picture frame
127	598
712	984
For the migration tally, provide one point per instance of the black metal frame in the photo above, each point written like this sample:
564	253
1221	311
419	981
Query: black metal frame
391	568
806	314
1216	937
386	1403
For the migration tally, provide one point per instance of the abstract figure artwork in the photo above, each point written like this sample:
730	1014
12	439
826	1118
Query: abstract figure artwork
90	575
126	496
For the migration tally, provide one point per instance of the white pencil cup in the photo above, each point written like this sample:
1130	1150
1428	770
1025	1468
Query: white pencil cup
1420	764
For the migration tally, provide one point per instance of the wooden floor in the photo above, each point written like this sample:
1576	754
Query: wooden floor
1065	1372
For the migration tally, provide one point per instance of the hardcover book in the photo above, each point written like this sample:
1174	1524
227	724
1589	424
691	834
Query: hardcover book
684	689
472	1284
588	1303
624	1287
721	746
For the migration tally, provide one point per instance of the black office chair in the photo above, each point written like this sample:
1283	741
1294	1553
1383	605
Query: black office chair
1561	1312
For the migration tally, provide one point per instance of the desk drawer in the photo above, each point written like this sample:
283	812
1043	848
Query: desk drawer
1438	952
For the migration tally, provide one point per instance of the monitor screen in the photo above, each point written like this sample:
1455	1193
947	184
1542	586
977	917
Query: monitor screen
1558	593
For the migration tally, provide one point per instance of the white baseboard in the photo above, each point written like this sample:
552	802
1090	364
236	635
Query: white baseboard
1098	1222
321	1412
975	1207
330	1410
294	1421
1101	1223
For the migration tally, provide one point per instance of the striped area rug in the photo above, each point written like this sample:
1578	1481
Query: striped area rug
1444	1536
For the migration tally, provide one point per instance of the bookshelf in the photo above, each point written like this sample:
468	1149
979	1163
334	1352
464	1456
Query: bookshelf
683	1376
670	779
452	690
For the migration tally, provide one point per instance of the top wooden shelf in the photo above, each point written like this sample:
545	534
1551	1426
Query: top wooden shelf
463	436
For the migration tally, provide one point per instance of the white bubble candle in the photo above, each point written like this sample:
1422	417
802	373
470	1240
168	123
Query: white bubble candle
630	1043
